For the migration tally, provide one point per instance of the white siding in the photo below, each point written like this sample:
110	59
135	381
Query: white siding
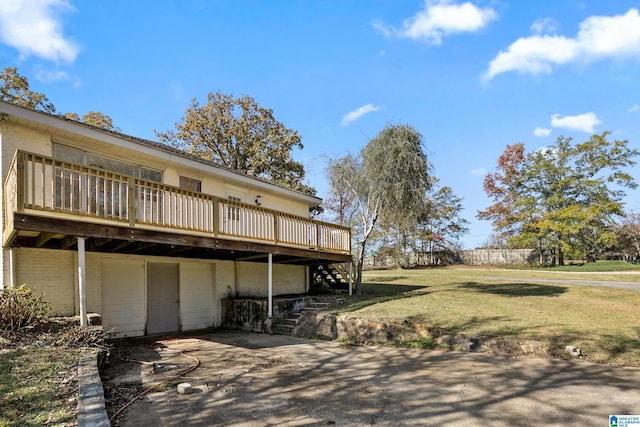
123	297
196	296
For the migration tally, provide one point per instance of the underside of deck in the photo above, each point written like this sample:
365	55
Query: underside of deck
34	231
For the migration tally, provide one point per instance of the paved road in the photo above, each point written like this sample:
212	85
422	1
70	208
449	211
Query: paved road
260	380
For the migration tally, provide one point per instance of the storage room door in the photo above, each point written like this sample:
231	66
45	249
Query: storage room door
123	310
163	298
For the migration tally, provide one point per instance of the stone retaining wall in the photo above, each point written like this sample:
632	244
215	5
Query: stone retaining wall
250	314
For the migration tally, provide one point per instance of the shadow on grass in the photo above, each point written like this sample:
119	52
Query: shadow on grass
516	289
623	350
375	293
386	279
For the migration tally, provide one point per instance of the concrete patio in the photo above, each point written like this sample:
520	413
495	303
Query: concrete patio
248	379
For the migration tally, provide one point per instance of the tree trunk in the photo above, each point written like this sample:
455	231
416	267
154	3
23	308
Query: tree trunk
359	265
559	255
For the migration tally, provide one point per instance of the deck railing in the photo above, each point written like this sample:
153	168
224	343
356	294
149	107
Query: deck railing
55	187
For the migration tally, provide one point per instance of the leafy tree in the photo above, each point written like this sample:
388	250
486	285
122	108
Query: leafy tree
628	235
72	116
14	88
388	181
437	227
99	120
341	199
241	135
565	196
503	187
95	119
440	226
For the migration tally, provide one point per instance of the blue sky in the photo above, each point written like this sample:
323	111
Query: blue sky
471	77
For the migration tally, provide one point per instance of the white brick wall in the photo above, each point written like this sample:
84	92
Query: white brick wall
51	272
14	138
253	279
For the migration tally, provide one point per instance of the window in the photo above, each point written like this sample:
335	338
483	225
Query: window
190	184
81	157
234	212
68	154
102	194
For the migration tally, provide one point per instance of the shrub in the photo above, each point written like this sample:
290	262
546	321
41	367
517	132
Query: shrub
21	308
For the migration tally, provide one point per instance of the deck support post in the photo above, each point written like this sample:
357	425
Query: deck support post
12	269
350	278
270	297
82	294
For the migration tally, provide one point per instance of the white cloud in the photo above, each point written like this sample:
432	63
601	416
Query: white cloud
440	18
50	76
544	26
541	132
33	28
356	114
634	108
479	172
582	122
598	37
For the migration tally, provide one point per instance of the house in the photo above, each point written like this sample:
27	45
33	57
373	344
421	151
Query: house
149	237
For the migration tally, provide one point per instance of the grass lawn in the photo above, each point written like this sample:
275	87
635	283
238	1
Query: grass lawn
38	386
39	370
490	304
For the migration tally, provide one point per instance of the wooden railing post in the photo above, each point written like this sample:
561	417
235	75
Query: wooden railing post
216	216
276	228
21	181
131	202
44	184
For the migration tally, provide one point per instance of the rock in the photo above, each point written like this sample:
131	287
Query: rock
573	351
185	388
474	344
94	319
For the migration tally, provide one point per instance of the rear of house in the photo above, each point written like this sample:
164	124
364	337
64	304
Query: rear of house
149	237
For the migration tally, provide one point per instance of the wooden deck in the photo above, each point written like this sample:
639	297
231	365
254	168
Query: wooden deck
47	203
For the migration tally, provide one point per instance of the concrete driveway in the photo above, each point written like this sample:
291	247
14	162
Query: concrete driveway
250	379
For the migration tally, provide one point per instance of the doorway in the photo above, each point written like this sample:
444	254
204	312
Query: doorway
163	298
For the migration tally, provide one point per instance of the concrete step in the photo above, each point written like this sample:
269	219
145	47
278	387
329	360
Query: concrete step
285	326
329	301
318	305
283	329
